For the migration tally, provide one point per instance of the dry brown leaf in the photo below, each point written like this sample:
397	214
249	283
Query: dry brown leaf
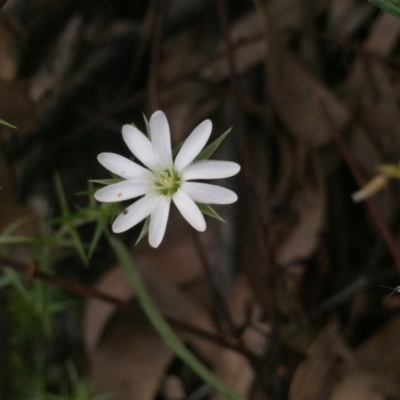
297	94
346	16
10	47
332	371
383	35
381	351
170	301
138	355
371	83
325	362
364	385
230	367
16	107
308	204
131	360
246	36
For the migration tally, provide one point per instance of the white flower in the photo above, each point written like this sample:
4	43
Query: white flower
164	179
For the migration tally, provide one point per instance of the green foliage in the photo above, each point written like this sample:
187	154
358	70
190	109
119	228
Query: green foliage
5	123
211	148
31	308
390	6
208	210
161	326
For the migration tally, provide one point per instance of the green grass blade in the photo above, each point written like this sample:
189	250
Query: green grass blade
144	230
5	123
208	210
390	6
67	219
161	326
106	181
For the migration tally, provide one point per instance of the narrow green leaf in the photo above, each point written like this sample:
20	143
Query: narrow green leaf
100	226
16	240
66	218
2	122
208	210
146	121
390	6
106	181
144	230
209	150
15	225
161	326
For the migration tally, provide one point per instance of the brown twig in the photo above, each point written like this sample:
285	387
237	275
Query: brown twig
86	291
373	207
266	272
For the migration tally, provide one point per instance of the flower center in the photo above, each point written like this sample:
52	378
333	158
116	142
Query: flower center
167	183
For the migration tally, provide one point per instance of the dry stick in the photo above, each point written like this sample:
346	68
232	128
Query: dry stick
372	205
154	101
83	290
245	158
267	274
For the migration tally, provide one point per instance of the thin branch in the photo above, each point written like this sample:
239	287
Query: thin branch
85	291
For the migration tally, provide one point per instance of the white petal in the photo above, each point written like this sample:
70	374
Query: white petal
135	213
209	194
189	210
158	221
123	190
193	145
139	145
210	169
161	138
123	167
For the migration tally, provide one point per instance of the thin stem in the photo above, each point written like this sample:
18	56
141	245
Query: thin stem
160	325
265	270
373	207
85	291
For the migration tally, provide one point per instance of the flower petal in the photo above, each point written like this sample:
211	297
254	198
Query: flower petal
135	213
123	190
193	145
210	169
123	167
189	210
158	221
161	139
209	194
139	145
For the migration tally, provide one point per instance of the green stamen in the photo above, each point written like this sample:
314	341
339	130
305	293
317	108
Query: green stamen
167	182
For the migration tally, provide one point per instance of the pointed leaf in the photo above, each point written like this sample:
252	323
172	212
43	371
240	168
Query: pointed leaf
208	210
106	181
2	122
66	219
144	230
210	149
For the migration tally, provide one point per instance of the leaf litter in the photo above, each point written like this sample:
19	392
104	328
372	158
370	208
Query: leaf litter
270	295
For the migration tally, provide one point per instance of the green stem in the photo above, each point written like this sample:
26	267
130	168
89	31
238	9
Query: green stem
161	326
